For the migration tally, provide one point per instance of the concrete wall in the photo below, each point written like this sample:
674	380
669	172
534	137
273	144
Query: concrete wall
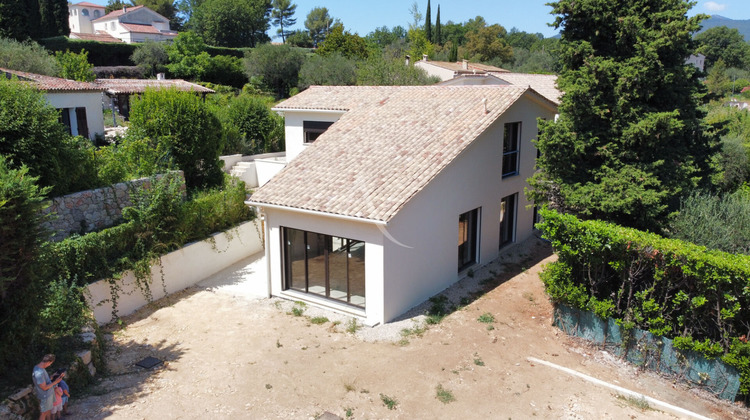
181	269
373	237
265	169
293	130
422	260
92	101
433	70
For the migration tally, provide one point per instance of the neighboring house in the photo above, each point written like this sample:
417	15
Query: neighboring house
446	70
392	194
738	104
119	90
698	60
129	24
80	102
545	84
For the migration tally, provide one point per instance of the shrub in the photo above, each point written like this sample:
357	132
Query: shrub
671	288
151	57
100	53
276	65
75	66
119	72
188	129
250	116
27	56
225	70
333	70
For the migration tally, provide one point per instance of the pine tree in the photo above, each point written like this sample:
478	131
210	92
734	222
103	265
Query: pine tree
630	141
438	29
428	22
281	16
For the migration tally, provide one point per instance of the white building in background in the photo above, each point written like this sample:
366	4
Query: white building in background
129	24
393	193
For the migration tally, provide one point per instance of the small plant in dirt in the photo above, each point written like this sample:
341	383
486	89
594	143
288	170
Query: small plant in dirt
278	344
352	326
637	402
470	273
529	296
389	402
486	318
269	386
437	310
444	395
299	308
349	387
349	412
318	320
478	360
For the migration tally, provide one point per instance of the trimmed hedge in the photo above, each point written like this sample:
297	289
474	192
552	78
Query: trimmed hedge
699	298
234	52
100	53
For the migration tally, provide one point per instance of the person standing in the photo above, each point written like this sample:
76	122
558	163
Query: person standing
43	387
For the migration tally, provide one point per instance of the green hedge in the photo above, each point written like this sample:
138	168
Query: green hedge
100	53
234	52
697	297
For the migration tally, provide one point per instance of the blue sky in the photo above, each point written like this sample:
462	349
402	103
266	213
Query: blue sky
362	16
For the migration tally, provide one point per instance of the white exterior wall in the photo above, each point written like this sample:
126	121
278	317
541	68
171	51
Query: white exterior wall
107	26
91	100
433	70
80	23
367	232
293	130
428	224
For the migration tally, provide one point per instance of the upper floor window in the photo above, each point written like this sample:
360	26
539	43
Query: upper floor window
313	129
511	146
85	12
97	14
112	25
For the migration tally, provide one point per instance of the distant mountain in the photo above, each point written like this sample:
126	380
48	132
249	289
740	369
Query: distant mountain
742	25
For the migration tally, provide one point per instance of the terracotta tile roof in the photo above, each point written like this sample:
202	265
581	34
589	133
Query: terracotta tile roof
545	84
130	86
98	36
49	83
119	12
87	4
144	29
386	148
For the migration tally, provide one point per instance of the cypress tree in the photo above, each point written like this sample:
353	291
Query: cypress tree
16	18
438	29
53	18
630	140
428	22
453	55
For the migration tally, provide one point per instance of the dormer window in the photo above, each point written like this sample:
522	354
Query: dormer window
313	129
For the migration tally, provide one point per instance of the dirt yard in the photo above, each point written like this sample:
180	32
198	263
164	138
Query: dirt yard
228	355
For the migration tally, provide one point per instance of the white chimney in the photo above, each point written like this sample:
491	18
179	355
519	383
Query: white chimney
408	59
465	64
160	76
424	57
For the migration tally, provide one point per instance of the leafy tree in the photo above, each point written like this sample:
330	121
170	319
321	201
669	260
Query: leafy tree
188	58
344	43
726	44
419	44
428	22
717	78
331	70
262	129
277	65
75	66
151	56
299	38
318	24
281	16
382	36
232	23
185	9
715	221
225	70
378	71
191	132
629	141
113	5
521	39
53	18
437	36
454	32
27	56
732	164
21	236
488	43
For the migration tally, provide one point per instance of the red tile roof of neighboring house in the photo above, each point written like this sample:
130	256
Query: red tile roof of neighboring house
130	86
386	148
98	36
119	12
87	4
144	29
745	89
49	83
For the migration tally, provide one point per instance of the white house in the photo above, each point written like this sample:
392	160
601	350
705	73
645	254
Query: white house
446	70
80	102
392	194
129	24
544	84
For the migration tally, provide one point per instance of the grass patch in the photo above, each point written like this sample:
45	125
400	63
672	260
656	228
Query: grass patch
318	320
478	360
437	310
444	395
389	402
299	308
486	318
639	403
352	326
349	387
348	412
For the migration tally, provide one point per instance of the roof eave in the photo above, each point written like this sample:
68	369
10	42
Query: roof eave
316	213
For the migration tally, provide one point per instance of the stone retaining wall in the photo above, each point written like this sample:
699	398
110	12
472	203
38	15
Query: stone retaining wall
92	210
